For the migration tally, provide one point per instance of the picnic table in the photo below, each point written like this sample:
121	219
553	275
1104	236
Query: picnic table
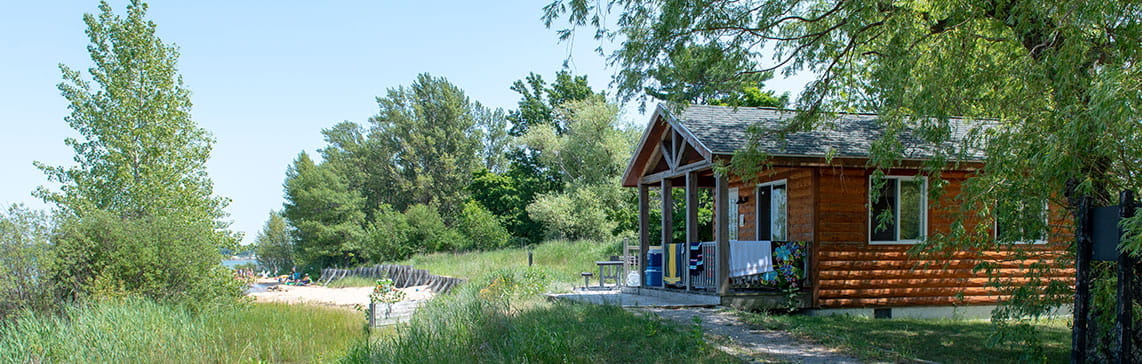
609	266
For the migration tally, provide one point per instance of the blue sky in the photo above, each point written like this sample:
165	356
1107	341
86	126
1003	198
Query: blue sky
267	76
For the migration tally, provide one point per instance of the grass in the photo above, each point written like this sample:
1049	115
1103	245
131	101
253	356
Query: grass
483	322
907	340
144	331
565	260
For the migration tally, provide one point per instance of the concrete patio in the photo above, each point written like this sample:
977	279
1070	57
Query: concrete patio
636	297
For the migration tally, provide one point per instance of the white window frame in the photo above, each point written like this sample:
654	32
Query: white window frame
757	209
735	216
1046	223
923	210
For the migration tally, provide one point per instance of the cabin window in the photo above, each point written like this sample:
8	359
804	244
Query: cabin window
735	219
772	211
900	212
1011	218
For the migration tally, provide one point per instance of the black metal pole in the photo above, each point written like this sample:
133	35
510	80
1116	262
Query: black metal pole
1082	281
1125	326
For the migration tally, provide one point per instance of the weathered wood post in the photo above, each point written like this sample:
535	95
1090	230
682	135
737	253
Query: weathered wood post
1081	309
667	223
1126	263
691	221
643	231
722	225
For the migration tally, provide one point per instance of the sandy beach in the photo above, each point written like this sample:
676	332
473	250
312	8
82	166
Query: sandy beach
320	295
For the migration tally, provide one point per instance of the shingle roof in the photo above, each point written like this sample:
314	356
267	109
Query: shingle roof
723	130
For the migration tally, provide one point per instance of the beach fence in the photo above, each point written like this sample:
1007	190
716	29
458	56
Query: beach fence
402	276
381	314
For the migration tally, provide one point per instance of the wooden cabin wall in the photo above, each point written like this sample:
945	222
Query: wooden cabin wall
799	186
850	272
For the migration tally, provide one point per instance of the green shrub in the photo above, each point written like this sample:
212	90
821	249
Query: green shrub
388	236
573	215
428	232
162	258
482	229
24	256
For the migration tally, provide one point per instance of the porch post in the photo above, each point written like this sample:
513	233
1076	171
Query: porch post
643	231
722	226
667	222
691	218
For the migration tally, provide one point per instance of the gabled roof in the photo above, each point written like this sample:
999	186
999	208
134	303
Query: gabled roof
722	130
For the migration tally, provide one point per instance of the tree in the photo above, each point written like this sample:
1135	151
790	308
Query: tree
1057	82
589	157
494	138
592	150
482	229
24	260
139	154
388	236
139	159
703	74
328	216
274	244
537	106
428	233
427	133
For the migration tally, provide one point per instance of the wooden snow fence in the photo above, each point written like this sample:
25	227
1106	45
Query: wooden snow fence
402	276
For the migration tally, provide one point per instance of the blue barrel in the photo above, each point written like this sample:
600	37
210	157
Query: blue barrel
654	258
654	276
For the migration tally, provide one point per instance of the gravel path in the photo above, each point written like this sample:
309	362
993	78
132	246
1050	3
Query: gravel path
756	346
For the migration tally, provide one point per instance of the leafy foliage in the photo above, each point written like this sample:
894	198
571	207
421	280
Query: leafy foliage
274	245
105	256
24	260
506	196
327	216
139	153
141	218
427	132
482	229
388	236
428	232
589	156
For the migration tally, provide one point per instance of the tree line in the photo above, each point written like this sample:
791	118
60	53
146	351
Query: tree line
433	170
436	171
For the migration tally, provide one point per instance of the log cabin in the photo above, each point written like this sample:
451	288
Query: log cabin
805	231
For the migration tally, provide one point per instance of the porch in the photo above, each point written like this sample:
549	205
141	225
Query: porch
767	271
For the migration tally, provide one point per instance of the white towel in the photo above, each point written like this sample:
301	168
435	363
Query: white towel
750	257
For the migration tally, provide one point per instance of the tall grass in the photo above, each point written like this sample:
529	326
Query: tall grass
564	259
480	324
141	331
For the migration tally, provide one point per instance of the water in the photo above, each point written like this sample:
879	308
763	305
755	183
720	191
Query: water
231	263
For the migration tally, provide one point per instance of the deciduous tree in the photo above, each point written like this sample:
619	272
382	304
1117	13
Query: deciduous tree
274	244
140	160
428	133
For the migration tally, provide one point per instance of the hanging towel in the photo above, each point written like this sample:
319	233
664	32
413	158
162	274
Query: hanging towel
750	257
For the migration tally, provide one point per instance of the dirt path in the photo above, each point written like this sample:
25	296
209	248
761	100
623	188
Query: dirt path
756	346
